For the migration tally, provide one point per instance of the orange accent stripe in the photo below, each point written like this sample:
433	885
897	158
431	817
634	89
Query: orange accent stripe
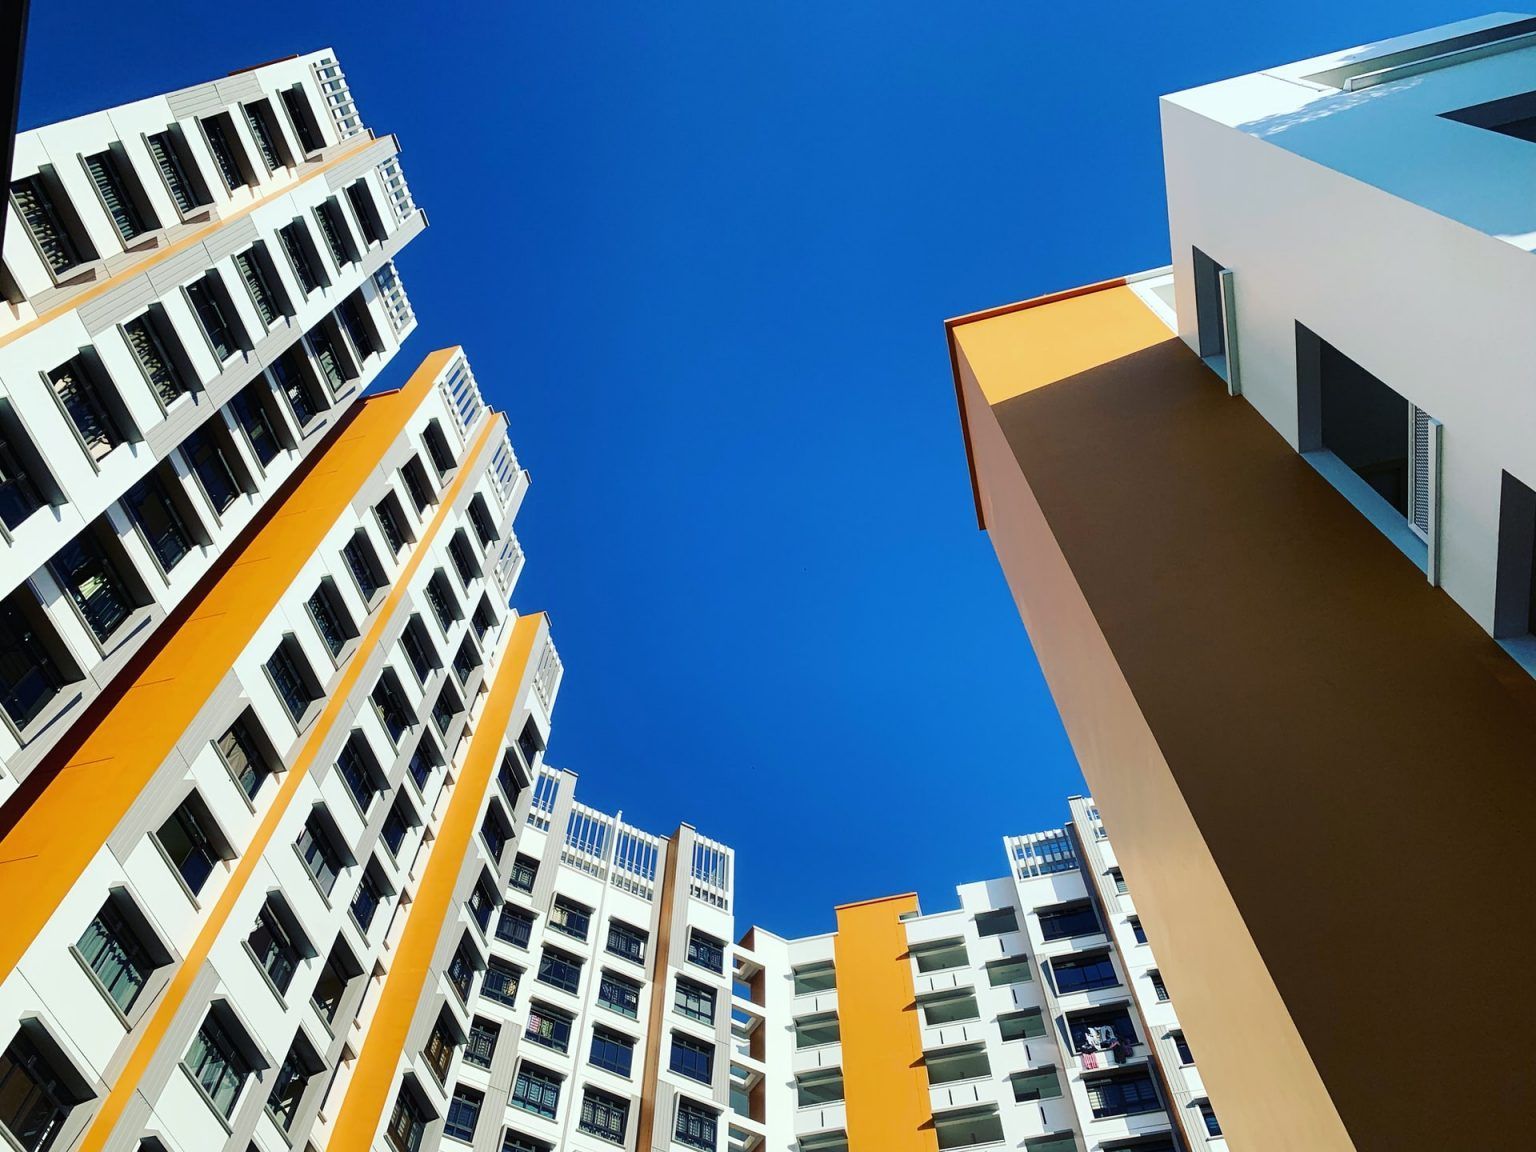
159	1023
362	1109
884	1082
161	254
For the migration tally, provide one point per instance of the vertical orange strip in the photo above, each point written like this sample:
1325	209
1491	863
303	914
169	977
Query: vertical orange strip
368	1091
884	1083
127	1083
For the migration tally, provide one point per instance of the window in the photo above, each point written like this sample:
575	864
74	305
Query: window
217	1065
463	1113
296	104
440	1048
418	649
424	759
353	315
1511	116
116	196
1208	1114
29	675
500	983
332	985
465	661
1001	972
536	1091
695	1125
415	476
333	229
461	970
363	207
1118	879
524	870
407	1123
397	826
363	565
550	1027
814	1031
506	779
19	497
1038	1084
515	926
613	1051
390	706
482	900
250	410
115	952
228	156
292	685
953	1065
1096	1031
1158	987
1067	920
1121	1095
815	978
619	994
35	208
334	365
296	246
163	528
559	969
330	619
480	520
94	583
288	1087
258	118
705	951
169	155
481	1047
484	621
445	709
188	847
205	453
251	268
1137	930
604	1115
289	375
949	1008
437	449
145	340
370	894
965	1129
694	1001
1021	1025
211	307
569	917
1181	1046
319	854
392	523
1083	973
80	397
530	743
816	1088
493	828
692	1058
34	1100
445	605
996	922
940	955
274	948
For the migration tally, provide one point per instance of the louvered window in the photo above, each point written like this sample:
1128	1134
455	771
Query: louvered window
159	369
329	359
261	132
37	212
330	228
303	121
218	131
167	158
78	396
298	255
107	175
255	281
205	302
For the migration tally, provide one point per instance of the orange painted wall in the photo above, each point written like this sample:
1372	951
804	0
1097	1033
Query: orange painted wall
884	1082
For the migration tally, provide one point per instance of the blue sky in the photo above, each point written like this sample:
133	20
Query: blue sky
701	253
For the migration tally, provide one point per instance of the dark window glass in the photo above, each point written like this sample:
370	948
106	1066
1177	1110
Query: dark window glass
549	1027
705	952
248	267
362	567
463	1113
256	119
190	850
1182	1046
209	309
29	677
328	622
418	650
367	899
328	216
290	381
319	854
296	246
388	512
619	994
274	949
515	926
461	972
1083	973
329	989
244	757
217	1065
159	366
292	687
80	397
694	1001
363	208
1068	920
396	827
695	1126
483	1035
407	1123
114	952
524	870
415	477
34	1102
1137	930
157	518
287	1090
224	150
19	497
612	1051
500	982
495	835
604	1116
84	570
692	1058
205	454
1122	1096
536	1091
303	122
626	940
35	208
481	903
390	706
357	772
252	415
559	970
571	918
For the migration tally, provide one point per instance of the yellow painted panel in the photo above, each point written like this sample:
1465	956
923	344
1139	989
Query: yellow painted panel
1017	351
884	1083
368	1092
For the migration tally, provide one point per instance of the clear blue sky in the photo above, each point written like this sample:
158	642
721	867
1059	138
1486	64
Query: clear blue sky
701	253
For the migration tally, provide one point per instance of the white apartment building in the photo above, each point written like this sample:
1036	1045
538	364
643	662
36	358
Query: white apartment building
1031	1016
196	287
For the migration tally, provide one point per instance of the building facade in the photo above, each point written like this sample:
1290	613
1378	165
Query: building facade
1032	1016
1268	515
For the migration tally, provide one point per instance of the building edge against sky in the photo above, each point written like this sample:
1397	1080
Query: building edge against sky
1285	603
